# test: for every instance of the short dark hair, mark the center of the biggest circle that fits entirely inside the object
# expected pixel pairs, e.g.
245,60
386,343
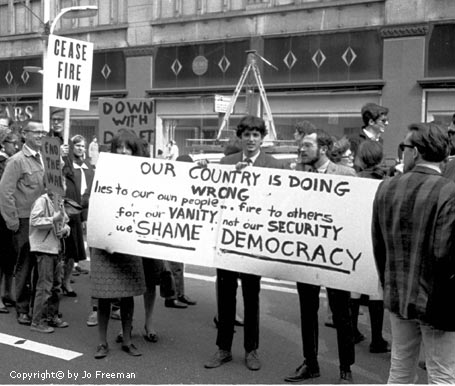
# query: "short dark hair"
322,138
431,140
184,158
372,111
56,111
304,126
339,147
251,122
370,153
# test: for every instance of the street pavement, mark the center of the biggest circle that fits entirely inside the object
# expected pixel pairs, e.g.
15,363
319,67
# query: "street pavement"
186,341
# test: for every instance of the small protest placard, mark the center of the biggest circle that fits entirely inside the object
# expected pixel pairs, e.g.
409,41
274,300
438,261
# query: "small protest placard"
137,114
52,165
292,225
68,73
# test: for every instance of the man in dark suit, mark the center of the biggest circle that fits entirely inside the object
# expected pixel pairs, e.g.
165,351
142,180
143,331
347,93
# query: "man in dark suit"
375,121
251,131
313,149
414,247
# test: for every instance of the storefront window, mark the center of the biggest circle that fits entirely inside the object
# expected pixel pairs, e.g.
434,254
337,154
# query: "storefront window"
441,51
332,57
199,65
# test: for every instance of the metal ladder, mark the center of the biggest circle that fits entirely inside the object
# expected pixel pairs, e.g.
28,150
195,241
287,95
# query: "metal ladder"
251,66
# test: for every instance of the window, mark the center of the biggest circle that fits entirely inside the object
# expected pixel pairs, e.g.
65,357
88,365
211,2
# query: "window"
19,17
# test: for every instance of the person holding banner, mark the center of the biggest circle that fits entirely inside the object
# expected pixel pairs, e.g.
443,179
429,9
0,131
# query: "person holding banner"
251,130
314,148
21,184
116,275
413,229
56,128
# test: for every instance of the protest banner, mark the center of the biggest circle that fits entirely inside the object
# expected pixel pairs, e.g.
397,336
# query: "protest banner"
282,224
136,114
53,177
68,73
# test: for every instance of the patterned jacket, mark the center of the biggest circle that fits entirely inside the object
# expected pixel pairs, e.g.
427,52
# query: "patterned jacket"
413,232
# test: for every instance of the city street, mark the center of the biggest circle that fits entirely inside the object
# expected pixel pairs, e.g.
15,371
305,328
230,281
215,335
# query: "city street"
186,341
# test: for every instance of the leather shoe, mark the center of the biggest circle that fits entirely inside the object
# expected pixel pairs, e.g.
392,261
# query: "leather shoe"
101,351
24,319
8,302
358,337
186,300
174,303
303,372
70,294
346,377
4,310
252,360
131,350
57,323
219,358
379,347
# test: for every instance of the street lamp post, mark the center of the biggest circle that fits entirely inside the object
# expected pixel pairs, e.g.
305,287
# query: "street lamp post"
69,13
74,12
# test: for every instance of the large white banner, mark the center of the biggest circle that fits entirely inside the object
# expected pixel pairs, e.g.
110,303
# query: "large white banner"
68,73
281,224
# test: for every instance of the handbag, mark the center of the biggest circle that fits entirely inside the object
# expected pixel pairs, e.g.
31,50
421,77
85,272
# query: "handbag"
72,208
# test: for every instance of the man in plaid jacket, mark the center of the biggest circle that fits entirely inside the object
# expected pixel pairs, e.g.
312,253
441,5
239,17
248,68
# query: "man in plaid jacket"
413,234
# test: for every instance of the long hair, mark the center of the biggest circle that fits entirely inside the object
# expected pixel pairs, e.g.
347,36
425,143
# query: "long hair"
130,140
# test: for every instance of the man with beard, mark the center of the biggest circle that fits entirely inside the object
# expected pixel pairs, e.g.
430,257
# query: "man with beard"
314,147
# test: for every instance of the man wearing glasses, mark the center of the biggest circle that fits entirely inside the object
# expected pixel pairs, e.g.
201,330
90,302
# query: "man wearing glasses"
412,231
375,121
21,184
57,128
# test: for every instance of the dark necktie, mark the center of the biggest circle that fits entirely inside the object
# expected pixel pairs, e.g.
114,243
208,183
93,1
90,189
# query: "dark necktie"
38,158
249,161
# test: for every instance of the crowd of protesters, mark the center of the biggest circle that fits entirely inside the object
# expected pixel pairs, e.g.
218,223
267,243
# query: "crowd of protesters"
413,230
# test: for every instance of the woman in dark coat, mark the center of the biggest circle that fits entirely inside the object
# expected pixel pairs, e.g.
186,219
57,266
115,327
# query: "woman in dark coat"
369,158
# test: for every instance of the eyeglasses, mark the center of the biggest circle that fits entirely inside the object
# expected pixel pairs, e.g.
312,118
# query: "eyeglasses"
402,146
37,132
12,142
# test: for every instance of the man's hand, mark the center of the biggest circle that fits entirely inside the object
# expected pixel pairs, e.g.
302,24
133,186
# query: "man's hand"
203,163
13,227
64,150
58,216
241,165
109,250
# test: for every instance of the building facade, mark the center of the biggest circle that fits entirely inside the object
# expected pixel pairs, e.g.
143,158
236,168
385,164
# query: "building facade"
329,58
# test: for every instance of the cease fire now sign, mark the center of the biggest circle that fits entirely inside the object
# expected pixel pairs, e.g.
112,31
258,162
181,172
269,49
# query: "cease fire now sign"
68,73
